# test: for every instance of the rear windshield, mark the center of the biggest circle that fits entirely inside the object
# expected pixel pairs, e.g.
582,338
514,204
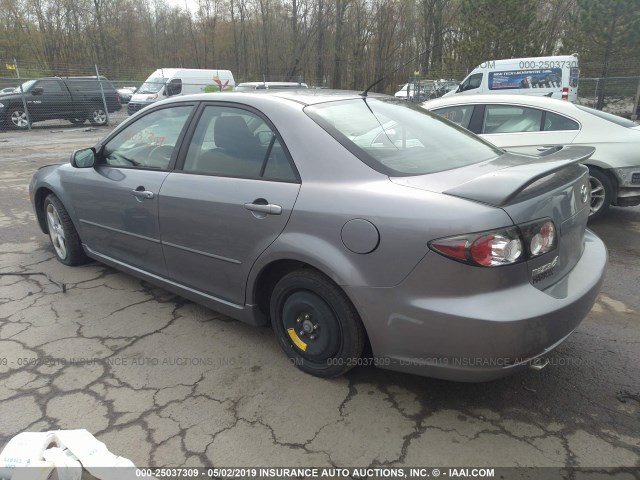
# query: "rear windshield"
399,139
623,122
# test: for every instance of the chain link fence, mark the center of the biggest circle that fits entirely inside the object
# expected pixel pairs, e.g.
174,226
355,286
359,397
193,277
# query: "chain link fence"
71,95
617,95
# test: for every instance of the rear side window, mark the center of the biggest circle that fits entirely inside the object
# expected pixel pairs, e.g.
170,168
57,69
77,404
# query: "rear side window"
511,119
399,139
233,142
460,114
89,85
554,122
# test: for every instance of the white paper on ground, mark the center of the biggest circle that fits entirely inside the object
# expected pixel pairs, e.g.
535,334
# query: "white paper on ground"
67,449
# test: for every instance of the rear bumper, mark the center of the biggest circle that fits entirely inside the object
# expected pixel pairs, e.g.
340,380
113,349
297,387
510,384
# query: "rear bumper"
435,323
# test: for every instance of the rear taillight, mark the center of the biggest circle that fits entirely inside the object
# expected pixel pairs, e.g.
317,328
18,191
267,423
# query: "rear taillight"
117,97
500,247
565,93
540,237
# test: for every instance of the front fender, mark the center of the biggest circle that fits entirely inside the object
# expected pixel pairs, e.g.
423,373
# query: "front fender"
49,179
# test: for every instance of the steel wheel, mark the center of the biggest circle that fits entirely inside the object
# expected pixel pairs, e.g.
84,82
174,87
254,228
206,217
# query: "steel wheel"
312,325
56,232
19,118
316,324
601,192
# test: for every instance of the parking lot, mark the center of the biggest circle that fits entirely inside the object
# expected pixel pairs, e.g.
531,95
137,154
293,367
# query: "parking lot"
166,382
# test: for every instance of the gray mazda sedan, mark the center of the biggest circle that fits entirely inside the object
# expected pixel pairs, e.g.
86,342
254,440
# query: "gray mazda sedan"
349,223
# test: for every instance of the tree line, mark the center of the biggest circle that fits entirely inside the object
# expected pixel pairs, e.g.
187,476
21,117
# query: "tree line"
334,43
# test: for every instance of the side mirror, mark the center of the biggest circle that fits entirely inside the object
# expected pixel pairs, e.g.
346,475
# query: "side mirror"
84,158
37,91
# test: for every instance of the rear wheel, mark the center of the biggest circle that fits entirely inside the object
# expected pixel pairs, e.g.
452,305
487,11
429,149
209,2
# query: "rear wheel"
601,193
62,233
98,116
18,118
317,326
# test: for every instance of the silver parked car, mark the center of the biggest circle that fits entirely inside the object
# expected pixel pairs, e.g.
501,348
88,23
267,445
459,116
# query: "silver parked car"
527,124
343,221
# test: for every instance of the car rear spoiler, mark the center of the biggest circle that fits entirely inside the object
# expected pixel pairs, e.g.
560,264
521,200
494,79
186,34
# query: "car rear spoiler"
500,187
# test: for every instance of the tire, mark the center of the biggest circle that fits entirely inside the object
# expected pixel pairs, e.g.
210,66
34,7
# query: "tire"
77,121
18,118
601,193
316,325
62,233
97,115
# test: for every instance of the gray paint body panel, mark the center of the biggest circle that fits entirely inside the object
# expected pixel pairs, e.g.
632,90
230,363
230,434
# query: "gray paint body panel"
413,302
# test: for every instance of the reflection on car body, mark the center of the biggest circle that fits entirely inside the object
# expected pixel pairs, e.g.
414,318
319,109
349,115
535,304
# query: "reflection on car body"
530,125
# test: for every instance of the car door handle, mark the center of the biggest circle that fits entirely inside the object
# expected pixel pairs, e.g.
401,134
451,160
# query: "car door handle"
144,194
547,147
268,209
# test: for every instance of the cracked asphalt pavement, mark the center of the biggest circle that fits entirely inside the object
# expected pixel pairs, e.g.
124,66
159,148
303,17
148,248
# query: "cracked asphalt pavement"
166,382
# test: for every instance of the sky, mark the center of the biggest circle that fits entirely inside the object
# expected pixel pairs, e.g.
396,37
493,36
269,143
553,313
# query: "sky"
191,4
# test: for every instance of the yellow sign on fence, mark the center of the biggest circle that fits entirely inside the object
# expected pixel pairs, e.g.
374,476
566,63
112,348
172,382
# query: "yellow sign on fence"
10,66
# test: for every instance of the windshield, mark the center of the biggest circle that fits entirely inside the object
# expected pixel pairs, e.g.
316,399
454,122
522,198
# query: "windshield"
623,122
398,139
153,85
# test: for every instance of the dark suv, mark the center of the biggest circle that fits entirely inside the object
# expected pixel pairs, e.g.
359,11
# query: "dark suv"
75,99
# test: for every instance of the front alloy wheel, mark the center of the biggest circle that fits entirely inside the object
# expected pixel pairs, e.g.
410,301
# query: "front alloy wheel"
19,118
64,237
56,232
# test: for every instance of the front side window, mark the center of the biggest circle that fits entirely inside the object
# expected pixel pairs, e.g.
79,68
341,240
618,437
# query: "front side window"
473,82
50,87
399,139
460,114
148,142
233,142
511,119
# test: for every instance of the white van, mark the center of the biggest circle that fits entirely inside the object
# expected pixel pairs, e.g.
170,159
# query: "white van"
168,82
555,77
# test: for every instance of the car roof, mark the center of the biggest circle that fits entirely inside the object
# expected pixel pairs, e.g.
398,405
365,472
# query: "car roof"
531,100
301,96
269,84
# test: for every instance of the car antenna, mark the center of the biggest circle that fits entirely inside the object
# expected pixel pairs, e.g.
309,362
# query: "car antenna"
366,90
364,93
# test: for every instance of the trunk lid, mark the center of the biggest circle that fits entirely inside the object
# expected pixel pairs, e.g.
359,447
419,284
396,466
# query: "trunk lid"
552,185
